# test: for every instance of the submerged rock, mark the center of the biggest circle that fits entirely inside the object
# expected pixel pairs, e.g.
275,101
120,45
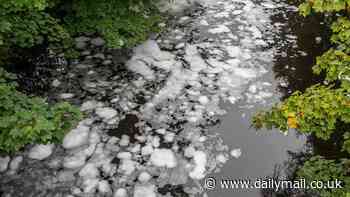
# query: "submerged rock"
56,83
99,56
98,41
107,62
66,96
82,39
80,45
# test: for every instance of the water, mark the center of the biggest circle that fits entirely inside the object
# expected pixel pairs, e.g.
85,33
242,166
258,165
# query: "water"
192,92
262,151
298,55
265,151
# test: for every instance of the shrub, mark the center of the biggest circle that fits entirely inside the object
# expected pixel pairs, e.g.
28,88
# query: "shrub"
322,6
335,64
34,22
25,120
315,111
122,23
341,34
27,23
320,169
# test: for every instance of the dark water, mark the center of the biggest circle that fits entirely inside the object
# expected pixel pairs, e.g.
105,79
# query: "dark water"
265,151
262,152
295,66
32,68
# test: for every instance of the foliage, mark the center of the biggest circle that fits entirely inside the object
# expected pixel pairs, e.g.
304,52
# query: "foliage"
6,77
341,34
9,6
122,23
319,108
34,22
315,111
320,169
321,6
26,24
336,66
346,145
25,120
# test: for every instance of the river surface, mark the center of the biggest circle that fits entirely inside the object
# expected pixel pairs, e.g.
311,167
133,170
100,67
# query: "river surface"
265,153
179,110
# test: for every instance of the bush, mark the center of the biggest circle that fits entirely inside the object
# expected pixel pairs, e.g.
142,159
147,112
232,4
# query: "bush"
341,34
122,23
335,64
25,120
28,23
34,22
319,169
323,6
315,111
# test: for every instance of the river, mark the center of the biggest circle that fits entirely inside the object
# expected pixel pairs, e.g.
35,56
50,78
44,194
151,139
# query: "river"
178,111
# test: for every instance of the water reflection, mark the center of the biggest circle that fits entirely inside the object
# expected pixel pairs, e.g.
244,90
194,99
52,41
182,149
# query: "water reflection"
300,41
269,154
294,66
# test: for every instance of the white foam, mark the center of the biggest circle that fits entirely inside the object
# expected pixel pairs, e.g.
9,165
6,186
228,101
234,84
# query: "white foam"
200,161
163,158
77,137
145,191
236,153
41,151
219,29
